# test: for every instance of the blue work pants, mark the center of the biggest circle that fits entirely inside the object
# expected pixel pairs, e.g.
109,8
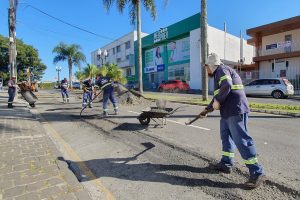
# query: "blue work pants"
87,98
109,95
234,133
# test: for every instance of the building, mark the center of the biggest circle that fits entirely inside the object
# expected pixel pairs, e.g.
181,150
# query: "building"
120,52
173,52
278,50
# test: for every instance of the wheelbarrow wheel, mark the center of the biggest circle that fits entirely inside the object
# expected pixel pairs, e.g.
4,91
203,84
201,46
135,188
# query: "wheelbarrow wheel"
144,120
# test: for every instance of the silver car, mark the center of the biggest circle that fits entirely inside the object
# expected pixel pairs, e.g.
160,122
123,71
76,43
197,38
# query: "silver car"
276,87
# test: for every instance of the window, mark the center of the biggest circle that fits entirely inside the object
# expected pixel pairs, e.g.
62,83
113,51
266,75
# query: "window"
288,43
127,57
128,72
127,45
118,59
272,67
114,51
118,49
179,72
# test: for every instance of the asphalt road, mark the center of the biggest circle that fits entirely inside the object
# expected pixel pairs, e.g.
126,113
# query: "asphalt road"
294,100
117,158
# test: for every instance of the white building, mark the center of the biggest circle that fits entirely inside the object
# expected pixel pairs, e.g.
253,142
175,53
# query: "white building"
120,52
178,48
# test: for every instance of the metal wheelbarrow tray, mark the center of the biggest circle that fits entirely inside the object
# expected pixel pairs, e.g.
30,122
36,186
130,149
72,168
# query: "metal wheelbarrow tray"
155,113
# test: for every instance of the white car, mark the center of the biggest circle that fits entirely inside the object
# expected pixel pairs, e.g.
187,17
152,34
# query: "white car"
276,87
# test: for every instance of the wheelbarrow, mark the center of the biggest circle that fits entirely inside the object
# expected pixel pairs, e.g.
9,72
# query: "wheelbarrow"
27,94
156,113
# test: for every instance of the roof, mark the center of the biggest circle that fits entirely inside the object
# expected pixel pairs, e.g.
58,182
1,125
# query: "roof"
276,27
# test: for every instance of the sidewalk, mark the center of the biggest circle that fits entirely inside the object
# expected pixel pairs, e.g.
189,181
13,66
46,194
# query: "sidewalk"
29,164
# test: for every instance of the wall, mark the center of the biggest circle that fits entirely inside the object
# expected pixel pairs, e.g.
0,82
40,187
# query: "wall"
215,39
120,57
278,38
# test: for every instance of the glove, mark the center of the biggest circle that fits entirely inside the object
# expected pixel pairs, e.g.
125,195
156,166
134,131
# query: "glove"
203,114
216,105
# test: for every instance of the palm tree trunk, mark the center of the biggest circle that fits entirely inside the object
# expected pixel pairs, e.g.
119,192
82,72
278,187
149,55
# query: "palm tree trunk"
139,43
203,25
70,72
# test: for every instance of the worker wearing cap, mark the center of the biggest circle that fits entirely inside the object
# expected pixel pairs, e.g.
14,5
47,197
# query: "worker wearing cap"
106,84
230,99
87,93
12,88
64,90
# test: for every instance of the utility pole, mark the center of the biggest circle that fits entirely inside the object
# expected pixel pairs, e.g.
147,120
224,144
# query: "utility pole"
12,37
203,25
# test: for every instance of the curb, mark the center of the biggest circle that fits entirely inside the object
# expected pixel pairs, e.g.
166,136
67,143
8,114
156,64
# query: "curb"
252,110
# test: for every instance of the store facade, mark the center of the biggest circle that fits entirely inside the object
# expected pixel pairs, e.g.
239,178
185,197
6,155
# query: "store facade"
173,53
166,53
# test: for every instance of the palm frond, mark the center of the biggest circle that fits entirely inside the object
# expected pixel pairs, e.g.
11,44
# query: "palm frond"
150,5
59,58
132,13
107,4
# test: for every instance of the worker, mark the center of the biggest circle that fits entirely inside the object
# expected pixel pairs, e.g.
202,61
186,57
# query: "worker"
64,90
230,99
12,88
106,84
87,93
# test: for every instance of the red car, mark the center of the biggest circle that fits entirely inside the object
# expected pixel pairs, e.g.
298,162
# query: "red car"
174,86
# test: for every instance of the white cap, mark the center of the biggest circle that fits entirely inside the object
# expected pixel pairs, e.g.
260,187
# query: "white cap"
213,61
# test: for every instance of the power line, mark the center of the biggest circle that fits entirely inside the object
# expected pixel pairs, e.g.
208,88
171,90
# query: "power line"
69,24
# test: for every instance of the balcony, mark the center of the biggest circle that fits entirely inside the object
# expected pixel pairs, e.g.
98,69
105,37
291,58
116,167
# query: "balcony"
277,51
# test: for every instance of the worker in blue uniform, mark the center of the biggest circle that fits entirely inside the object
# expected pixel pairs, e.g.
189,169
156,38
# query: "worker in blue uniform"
64,90
12,88
87,93
106,84
230,99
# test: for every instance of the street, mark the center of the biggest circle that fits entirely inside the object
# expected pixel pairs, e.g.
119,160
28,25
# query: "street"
117,158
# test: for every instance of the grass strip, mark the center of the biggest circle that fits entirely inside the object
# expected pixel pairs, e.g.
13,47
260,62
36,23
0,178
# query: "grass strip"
253,105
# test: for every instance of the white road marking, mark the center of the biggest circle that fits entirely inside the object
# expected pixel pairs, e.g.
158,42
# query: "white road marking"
176,122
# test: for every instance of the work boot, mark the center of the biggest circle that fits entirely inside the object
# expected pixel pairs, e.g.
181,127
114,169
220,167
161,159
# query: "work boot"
68,100
64,100
116,112
90,105
105,114
254,182
9,105
221,167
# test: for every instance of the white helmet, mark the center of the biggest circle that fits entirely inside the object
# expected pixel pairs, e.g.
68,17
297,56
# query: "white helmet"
213,61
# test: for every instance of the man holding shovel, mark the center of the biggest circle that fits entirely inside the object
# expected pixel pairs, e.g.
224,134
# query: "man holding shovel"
106,84
230,99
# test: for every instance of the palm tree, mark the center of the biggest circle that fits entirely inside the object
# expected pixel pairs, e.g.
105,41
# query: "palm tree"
135,15
72,53
90,71
113,71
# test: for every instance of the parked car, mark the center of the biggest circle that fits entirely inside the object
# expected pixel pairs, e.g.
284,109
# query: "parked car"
76,85
276,87
132,85
174,86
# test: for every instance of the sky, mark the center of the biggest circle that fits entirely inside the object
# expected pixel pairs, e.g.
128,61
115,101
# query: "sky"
44,33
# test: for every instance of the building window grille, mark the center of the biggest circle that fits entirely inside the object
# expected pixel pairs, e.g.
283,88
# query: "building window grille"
127,45
118,49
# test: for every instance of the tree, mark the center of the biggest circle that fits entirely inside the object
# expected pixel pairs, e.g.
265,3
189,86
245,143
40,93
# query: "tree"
90,71
135,15
112,71
72,53
27,57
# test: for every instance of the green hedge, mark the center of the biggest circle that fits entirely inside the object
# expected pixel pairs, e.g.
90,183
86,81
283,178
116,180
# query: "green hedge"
47,85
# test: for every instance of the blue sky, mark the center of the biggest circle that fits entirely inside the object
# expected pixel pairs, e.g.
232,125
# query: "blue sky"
44,33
